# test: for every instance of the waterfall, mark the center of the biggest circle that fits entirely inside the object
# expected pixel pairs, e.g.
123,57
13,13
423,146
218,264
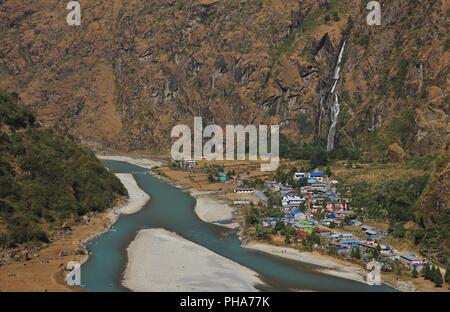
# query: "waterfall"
335,108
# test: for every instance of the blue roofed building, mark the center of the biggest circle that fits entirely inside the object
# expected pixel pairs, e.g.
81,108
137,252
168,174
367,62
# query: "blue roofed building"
332,197
318,175
349,242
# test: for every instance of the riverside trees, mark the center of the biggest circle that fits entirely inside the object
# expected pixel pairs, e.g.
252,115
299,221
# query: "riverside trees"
434,274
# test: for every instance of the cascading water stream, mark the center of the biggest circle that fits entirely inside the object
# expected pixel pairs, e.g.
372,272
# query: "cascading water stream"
335,108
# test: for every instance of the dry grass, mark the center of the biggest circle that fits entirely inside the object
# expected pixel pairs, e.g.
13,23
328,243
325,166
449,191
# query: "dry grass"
45,272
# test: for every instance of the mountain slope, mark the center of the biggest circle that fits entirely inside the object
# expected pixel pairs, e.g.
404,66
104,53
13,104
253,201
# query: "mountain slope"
134,69
45,178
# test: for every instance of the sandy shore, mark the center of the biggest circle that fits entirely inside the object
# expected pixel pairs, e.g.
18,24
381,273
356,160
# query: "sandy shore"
45,271
136,201
163,261
213,210
330,266
141,162
341,268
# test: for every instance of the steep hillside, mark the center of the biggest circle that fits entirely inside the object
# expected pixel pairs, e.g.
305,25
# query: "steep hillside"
134,69
433,211
45,178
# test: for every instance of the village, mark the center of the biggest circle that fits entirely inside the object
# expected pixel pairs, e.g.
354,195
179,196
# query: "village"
306,209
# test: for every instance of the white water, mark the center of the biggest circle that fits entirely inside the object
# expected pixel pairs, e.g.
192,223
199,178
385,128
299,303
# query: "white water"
335,108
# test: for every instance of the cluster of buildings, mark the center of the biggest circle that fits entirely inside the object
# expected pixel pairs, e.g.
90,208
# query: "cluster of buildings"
345,243
315,207
185,164
318,193
305,206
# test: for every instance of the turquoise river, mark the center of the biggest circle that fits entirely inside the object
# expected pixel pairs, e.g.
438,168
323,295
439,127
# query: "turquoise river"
173,209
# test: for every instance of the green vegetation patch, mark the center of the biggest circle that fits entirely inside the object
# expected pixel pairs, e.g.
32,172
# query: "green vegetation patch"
45,177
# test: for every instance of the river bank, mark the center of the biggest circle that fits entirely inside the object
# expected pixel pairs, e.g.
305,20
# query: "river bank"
173,209
329,265
178,259
159,260
44,270
210,208
137,161
137,198
197,184
213,207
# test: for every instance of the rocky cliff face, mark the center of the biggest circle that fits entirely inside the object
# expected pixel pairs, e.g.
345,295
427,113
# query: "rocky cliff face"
134,69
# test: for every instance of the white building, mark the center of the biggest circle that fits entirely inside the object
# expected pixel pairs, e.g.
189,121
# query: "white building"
244,190
299,175
291,200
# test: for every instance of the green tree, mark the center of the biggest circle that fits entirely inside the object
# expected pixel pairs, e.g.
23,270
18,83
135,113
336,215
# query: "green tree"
432,272
328,171
287,238
376,252
356,253
260,232
279,226
251,216
279,176
437,278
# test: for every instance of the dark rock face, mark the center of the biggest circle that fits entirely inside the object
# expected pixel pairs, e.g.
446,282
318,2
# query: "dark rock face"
132,71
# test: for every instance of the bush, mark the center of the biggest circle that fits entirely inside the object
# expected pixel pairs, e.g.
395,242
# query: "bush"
14,115
398,82
21,230
363,40
356,253
336,17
